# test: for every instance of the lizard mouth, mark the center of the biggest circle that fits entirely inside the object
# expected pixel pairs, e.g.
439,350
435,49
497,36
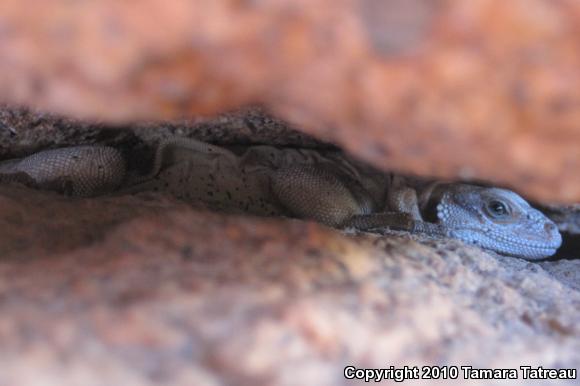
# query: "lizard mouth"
505,245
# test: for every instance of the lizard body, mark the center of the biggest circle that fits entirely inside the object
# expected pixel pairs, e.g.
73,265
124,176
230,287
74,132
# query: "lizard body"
329,187
252,179
78,170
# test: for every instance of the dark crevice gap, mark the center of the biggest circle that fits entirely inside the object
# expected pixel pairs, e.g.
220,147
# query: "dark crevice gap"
570,249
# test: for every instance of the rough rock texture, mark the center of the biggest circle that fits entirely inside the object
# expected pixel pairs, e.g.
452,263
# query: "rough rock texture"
24,131
567,271
567,215
482,88
146,291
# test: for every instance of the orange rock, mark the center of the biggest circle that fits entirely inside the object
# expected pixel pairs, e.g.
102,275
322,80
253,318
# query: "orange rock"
487,89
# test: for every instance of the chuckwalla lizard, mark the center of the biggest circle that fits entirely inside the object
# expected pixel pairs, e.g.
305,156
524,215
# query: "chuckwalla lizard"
322,185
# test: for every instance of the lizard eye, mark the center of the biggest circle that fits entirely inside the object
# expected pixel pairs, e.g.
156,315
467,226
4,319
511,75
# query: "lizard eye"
497,209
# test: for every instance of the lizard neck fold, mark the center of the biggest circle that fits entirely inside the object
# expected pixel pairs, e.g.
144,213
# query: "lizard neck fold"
429,197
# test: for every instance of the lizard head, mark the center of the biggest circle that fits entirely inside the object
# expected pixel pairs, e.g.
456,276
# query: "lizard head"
496,219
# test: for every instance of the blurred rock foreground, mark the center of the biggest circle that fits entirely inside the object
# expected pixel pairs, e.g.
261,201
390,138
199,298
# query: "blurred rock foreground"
144,290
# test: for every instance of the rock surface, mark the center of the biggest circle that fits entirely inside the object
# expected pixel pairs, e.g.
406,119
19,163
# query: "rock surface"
24,131
480,89
143,291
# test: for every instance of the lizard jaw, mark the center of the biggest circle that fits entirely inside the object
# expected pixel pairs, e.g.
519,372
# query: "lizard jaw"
508,246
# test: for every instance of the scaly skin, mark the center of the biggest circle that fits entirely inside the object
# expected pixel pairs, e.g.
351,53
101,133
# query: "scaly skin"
78,170
325,186
496,219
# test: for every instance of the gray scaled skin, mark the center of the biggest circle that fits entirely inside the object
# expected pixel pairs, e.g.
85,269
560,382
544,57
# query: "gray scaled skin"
78,171
325,186
496,219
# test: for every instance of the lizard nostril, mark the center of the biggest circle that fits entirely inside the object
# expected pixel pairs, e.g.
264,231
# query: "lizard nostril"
550,227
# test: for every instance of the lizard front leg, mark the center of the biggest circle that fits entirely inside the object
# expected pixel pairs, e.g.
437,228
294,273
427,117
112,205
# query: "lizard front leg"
395,221
323,194
403,199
